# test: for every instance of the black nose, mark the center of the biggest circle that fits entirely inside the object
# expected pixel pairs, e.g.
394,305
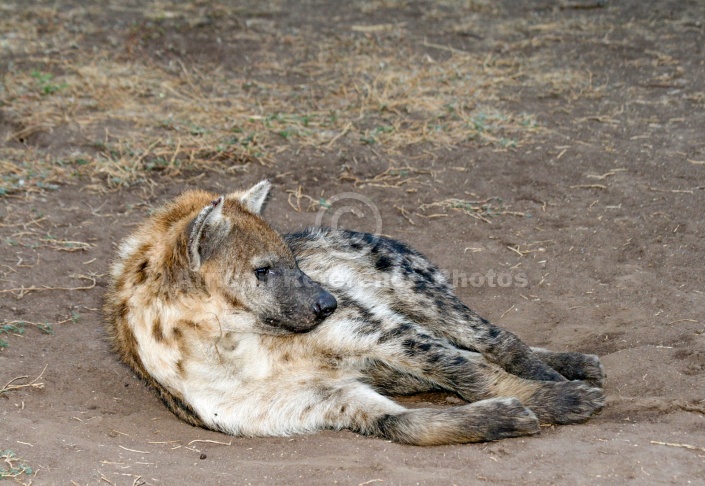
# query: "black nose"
325,305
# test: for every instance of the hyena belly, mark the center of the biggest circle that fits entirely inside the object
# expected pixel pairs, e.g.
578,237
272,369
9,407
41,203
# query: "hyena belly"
425,338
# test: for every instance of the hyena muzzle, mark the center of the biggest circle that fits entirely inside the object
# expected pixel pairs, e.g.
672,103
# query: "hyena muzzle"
241,330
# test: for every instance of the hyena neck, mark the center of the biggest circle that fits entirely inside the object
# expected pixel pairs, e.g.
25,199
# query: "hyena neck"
179,279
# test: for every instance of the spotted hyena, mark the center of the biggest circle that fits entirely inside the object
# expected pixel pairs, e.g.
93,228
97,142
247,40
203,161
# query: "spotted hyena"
241,330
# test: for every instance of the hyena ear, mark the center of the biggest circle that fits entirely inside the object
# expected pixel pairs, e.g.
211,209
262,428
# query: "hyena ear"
254,198
205,233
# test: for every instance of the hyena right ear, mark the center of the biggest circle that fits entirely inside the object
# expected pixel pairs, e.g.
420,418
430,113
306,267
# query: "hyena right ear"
205,232
254,198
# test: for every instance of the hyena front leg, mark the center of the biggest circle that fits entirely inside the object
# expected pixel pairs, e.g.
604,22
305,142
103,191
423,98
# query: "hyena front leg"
431,360
439,311
424,295
355,406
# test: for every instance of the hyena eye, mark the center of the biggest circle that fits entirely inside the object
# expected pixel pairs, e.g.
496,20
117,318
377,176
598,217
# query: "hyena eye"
261,273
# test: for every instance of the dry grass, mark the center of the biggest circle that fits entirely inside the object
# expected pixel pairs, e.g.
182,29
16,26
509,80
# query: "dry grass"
483,210
82,98
125,116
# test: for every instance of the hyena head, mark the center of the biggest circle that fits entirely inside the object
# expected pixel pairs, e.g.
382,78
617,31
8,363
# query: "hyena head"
241,257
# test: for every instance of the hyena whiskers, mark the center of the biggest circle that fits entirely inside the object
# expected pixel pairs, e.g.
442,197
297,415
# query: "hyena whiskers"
227,321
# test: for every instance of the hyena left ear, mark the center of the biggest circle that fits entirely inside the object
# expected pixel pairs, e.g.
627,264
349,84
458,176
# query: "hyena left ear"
254,198
205,232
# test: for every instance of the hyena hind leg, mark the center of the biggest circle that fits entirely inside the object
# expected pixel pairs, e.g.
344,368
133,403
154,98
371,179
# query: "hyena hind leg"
487,420
574,366
369,413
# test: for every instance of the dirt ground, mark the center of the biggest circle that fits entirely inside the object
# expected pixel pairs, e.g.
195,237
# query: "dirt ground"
556,144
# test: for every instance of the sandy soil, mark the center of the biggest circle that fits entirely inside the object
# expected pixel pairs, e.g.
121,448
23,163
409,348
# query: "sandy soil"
601,212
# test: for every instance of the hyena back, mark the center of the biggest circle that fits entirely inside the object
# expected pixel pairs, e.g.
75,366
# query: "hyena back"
241,330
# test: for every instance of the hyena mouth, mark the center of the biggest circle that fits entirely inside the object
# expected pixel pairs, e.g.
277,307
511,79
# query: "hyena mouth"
308,317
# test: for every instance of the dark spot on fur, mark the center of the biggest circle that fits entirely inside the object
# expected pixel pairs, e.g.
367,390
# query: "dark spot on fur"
459,361
398,247
383,264
409,344
420,286
191,324
235,303
307,409
157,331
178,335
425,347
459,306
368,238
122,311
394,333
141,274
493,331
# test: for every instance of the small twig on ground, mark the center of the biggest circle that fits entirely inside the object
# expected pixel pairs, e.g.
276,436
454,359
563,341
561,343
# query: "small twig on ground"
296,196
133,450
605,175
25,290
673,444
32,384
405,214
656,189
66,245
210,442
589,186
505,312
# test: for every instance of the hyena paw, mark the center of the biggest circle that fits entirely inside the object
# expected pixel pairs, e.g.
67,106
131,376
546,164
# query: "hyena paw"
567,402
576,366
591,371
507,417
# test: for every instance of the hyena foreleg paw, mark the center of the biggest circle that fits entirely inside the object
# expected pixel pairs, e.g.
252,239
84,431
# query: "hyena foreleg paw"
575,366
486,420
566,402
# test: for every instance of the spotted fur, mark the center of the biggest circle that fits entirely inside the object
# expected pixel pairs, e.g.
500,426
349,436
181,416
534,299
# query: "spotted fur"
236,329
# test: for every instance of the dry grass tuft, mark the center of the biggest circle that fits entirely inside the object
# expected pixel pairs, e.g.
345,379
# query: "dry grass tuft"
483,210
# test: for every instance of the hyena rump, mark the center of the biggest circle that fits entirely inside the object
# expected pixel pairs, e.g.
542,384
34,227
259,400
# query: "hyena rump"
227,321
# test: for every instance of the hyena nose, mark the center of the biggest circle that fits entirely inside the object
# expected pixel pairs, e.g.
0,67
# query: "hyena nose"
325,305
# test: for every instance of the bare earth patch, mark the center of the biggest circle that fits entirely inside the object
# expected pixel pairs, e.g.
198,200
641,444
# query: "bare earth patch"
558,145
